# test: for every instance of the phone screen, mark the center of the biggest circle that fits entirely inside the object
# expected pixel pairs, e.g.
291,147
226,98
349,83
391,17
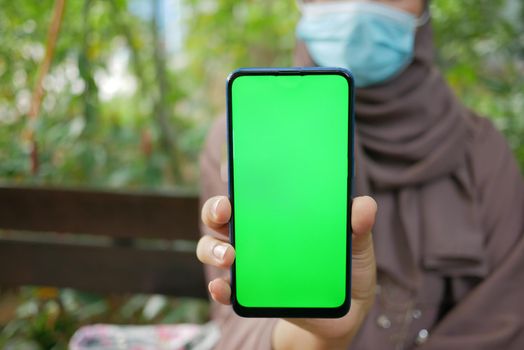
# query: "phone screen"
290,166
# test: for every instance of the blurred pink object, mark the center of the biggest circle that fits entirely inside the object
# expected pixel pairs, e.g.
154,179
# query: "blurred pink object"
159,337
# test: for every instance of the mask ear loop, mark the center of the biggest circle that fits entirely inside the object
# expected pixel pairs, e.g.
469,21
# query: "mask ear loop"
424,18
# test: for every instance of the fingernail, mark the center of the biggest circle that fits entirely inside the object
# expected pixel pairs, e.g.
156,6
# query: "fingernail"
219,251
214,208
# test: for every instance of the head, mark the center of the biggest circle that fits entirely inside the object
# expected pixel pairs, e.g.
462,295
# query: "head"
375,39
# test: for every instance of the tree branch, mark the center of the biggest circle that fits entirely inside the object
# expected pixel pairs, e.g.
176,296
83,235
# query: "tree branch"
38,92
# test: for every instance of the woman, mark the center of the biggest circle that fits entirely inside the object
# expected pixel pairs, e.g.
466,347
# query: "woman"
448,236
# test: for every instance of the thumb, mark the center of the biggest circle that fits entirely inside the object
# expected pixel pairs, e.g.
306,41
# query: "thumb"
363,214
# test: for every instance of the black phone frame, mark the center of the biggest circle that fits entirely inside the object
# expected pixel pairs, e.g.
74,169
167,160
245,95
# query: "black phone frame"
293,312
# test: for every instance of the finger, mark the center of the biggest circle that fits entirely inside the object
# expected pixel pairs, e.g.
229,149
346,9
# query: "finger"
215,252
216,213
220,291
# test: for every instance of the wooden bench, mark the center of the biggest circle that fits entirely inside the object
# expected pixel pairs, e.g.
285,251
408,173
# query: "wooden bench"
137,243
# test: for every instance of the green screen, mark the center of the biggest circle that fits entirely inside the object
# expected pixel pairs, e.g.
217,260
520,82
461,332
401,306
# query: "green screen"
290,169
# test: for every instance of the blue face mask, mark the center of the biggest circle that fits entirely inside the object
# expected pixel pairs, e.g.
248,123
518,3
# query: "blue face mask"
374,41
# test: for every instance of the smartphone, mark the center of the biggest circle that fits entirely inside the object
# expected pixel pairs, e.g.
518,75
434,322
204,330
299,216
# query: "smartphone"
290,162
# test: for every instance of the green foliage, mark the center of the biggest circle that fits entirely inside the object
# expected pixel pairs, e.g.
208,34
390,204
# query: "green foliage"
481,51
83,140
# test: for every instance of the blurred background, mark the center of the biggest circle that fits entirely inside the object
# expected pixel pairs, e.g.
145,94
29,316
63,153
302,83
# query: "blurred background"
132,87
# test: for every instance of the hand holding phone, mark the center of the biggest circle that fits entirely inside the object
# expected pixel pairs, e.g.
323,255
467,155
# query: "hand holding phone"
289,215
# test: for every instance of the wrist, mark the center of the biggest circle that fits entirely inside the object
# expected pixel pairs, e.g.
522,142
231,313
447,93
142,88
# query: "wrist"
321,343
319,334
288,336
